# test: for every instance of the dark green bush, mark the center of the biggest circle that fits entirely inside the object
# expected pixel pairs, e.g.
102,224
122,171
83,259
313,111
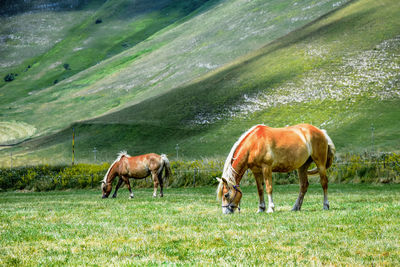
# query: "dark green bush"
66,66
10,77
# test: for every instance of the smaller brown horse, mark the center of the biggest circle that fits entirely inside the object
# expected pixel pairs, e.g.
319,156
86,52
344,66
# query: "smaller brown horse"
265,150
138,167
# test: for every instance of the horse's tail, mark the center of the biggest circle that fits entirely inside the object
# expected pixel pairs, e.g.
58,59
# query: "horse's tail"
166,166
330,154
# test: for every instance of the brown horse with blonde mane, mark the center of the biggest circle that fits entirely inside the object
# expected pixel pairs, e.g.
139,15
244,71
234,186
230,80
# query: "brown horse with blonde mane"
264,150
138,167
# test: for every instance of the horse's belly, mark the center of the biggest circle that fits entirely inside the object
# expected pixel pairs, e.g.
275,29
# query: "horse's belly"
288,164
139,174
283,168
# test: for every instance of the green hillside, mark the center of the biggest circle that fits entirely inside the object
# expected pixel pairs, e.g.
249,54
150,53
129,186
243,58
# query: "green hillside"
202,75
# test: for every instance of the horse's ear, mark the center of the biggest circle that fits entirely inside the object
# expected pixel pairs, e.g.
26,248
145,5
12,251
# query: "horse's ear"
218,179
224,180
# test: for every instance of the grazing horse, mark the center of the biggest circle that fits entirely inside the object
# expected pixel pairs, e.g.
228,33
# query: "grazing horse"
138,167
264,150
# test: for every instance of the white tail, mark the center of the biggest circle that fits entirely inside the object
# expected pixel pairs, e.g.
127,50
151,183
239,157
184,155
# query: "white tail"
166,165
330,143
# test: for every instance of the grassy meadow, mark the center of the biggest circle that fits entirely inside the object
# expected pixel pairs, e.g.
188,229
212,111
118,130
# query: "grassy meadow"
77,227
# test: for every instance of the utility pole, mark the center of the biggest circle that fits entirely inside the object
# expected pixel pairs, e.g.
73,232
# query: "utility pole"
73,146
94,152
177,151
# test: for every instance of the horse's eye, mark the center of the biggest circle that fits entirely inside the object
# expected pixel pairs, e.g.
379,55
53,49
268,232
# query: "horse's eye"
226,195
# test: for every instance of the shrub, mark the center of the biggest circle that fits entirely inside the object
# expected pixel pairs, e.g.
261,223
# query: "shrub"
81,176
10,77
66,66
44,183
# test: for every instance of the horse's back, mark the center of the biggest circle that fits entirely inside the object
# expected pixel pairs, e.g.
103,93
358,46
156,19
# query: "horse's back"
154,161
287,148
140,166
287,137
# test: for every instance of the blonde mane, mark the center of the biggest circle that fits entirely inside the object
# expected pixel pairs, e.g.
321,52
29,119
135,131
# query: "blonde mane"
120,154
228,172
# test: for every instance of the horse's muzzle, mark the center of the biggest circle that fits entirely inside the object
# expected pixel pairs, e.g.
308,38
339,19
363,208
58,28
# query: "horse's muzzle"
104,196
227,210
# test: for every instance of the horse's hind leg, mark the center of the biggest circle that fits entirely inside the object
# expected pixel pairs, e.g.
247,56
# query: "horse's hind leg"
160,180
302,171
117,187
155,182
320,161
324,184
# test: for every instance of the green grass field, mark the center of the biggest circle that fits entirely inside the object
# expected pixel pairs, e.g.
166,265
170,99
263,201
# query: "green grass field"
187,227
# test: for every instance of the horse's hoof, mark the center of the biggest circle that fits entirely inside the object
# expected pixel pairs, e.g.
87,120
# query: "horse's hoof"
161,195
130,197
295,208
114,196
270,210
326,207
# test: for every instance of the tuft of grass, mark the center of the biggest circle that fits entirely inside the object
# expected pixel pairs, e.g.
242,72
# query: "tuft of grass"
186,227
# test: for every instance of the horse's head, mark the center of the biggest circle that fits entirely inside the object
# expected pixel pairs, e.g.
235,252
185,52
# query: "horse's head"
230,194
106,189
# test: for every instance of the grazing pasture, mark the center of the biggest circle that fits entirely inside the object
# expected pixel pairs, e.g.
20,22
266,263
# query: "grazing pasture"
77,227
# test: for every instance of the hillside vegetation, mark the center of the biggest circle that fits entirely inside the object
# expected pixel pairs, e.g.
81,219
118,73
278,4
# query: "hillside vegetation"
199,74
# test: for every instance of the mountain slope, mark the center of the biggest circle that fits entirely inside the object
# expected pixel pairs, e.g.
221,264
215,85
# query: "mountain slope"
339,72
167,46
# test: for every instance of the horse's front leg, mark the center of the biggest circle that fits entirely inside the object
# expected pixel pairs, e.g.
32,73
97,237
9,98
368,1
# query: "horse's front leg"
117,187
126,179
267,173
155,182
260,189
